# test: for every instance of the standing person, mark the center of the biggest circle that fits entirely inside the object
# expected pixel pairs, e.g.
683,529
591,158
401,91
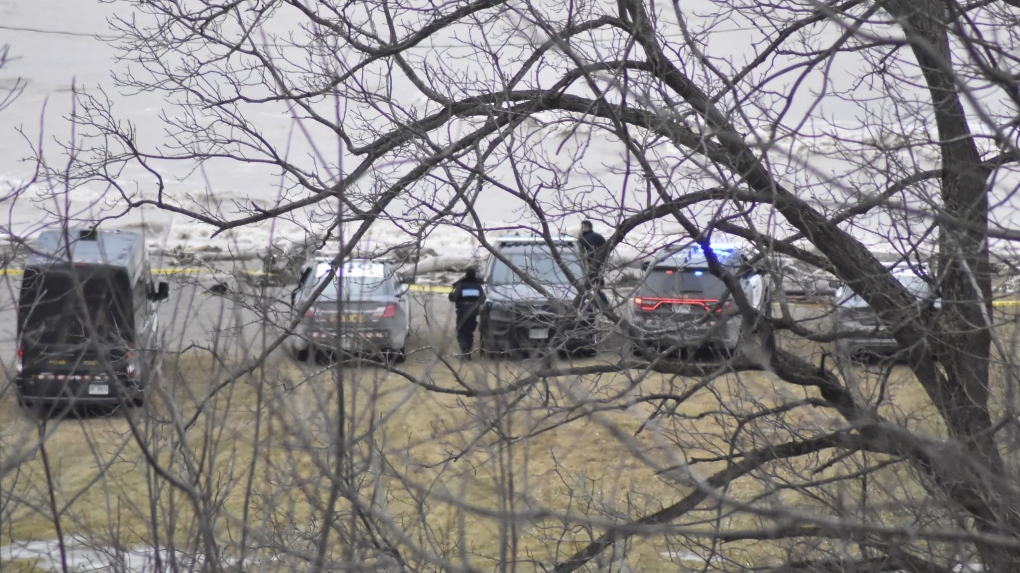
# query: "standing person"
468,295
589,243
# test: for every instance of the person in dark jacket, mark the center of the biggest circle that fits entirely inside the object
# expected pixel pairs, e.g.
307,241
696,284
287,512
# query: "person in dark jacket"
468,295
589,243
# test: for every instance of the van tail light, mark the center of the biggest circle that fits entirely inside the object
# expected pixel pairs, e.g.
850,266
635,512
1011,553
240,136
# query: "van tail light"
19,362
310,313
132,362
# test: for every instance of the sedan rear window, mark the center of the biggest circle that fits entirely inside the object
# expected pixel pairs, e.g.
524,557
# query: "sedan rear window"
681,283
358,287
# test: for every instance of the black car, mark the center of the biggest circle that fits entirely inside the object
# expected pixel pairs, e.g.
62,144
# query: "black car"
519,317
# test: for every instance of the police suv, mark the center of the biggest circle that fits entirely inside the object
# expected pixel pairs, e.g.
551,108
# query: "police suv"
680,304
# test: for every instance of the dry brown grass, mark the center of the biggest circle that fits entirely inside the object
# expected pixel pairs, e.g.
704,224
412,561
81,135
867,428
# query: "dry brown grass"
438,469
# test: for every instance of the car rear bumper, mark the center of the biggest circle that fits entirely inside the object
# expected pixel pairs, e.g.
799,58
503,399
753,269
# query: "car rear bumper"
534,334
874,345
71,388
692,336
367,342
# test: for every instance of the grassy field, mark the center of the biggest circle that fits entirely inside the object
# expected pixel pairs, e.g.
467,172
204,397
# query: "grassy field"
470,472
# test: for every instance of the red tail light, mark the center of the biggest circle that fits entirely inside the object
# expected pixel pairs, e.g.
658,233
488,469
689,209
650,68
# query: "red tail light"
19,363
310,313
390,312
647,304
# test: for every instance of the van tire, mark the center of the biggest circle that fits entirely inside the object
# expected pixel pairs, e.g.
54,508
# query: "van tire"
395,356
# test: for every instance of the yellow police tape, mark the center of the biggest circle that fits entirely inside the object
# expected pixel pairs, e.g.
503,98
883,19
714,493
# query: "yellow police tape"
201,271
440,289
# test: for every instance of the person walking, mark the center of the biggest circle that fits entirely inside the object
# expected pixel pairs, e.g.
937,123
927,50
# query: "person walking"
589,244
468,296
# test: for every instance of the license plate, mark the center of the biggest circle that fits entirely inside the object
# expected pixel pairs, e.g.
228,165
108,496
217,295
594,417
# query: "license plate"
346,318
538,333
682,309
99,389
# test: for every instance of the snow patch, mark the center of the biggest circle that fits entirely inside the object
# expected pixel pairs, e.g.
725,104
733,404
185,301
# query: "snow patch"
82,556
683,556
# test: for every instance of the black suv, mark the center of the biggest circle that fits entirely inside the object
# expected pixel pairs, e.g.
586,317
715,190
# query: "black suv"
518,317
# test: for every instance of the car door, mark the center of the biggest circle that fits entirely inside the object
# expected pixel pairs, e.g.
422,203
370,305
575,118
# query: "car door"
403,300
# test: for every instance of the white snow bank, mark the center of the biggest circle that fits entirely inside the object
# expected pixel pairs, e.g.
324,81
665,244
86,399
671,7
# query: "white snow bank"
82,556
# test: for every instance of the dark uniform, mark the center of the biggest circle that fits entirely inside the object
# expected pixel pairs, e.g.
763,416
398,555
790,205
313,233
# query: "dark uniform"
589,243
468,296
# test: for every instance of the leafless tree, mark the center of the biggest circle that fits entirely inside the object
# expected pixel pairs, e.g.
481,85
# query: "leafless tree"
16,87
822,133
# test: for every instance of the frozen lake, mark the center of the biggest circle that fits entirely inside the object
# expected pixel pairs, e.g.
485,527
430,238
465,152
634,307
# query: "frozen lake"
58,46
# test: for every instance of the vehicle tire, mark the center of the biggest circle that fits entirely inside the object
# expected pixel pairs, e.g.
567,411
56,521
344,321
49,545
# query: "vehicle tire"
138,401
395,356
634,350
301,355
585,351
487,346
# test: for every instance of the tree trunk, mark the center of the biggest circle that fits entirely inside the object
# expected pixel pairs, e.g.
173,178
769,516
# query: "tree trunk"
962,337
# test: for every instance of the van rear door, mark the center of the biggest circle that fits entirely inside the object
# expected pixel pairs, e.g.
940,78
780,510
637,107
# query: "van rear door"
74,317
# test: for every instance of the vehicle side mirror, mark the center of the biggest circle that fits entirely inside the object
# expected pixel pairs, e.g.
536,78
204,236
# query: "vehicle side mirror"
835,284
407,280
162,292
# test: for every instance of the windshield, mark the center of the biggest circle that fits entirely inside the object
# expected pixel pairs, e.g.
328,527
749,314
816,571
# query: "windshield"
682,283
913,283
52,311
357,287
538,264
